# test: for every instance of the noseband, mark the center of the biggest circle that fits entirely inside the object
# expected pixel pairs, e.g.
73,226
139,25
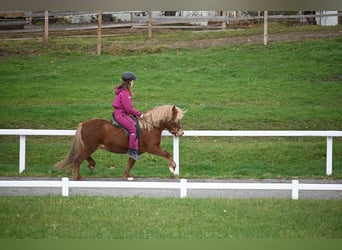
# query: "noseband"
175,125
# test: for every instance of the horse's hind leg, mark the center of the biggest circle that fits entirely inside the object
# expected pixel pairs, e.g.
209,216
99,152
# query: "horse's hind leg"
85,155
77,174
91,164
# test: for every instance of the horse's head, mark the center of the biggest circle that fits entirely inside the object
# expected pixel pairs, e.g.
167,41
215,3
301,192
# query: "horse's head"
165,117
174,125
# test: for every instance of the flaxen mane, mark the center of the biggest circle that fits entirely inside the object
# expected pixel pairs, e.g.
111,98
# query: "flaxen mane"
153,117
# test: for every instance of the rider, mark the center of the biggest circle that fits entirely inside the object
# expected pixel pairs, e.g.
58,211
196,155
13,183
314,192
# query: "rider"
124,109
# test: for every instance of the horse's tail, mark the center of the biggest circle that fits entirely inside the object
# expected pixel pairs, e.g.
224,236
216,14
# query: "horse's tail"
75,150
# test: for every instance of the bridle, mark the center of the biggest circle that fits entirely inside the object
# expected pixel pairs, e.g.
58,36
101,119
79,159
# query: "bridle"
175,125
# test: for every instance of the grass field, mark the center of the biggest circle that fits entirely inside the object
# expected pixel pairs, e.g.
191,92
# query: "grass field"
283,86
161,218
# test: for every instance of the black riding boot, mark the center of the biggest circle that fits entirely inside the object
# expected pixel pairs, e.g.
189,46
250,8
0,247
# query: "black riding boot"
133,153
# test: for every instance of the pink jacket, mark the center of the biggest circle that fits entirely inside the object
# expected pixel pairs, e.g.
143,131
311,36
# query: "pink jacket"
123,103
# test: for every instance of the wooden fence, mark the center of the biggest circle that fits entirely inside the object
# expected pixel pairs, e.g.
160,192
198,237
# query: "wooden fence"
162,22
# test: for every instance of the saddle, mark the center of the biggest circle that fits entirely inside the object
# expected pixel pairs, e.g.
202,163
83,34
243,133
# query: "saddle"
118,125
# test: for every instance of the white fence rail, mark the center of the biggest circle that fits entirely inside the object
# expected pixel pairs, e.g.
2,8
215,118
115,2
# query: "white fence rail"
183,185
22,133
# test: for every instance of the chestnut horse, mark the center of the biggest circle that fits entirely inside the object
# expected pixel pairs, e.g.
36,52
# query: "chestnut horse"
98,133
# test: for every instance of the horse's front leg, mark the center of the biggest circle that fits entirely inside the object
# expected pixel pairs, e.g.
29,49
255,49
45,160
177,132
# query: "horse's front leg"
130,164
161,152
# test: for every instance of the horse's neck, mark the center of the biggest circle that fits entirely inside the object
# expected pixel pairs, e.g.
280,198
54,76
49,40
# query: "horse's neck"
154,131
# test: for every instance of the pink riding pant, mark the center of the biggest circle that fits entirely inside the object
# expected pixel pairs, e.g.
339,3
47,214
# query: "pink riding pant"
126,121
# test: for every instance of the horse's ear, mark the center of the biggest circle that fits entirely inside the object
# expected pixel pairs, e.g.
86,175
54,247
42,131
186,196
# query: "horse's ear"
174,112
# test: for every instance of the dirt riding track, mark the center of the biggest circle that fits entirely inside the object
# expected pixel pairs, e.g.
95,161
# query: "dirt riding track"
205,43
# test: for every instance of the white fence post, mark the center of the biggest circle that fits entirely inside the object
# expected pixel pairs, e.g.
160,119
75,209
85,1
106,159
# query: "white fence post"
22,153
295,189
329,155
183,188
65,186
176,153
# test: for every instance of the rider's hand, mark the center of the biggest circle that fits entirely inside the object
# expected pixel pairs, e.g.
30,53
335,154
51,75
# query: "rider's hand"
141,116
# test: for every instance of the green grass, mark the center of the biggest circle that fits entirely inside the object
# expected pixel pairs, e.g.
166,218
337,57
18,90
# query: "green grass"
282,86
157,218
291,86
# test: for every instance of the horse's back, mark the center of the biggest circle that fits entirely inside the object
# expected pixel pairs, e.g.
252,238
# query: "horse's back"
102,133
96,122
98,125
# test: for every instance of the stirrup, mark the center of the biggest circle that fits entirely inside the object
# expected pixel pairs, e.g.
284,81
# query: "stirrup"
133,153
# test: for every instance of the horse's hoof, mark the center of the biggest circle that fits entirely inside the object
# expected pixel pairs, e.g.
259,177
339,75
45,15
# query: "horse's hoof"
172,170
130,178
91,168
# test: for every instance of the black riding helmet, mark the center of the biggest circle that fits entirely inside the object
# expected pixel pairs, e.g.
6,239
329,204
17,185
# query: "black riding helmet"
128,76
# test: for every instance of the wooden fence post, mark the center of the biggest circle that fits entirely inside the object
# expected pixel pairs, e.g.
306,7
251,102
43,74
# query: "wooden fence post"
46,26
224,23
99,33
149,24
265,27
